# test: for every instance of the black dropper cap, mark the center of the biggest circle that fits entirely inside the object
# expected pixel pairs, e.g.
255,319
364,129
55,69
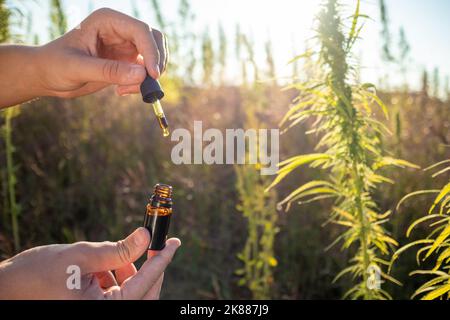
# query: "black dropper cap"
151,90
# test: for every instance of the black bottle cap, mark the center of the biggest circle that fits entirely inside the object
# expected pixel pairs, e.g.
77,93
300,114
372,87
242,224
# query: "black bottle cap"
151,90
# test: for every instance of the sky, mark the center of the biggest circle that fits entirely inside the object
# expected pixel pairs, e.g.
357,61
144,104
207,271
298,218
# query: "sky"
288,23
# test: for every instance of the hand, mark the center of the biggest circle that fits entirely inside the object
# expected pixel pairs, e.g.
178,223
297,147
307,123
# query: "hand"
42,272
107,48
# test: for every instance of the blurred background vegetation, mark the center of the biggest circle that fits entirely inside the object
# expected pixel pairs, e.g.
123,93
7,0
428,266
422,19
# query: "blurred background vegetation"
83,169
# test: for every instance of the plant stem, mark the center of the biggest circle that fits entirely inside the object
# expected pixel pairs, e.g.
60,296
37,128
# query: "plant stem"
363,234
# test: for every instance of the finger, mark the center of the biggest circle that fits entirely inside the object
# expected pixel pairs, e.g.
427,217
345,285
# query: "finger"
137,286
86,89
160,43
125,272
102,256
140,60
154,292
92,69
140,34
126,90
148,48
135,31
106,279
167,52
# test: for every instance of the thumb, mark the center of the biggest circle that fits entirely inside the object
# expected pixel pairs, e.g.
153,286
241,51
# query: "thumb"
150,272
91,69
102,256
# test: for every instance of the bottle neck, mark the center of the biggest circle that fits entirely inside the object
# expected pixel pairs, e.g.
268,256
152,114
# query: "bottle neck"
163,191
162,196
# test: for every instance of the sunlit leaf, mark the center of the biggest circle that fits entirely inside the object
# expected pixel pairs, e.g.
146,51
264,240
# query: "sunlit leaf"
388,161
439,240
437,293
413,194
419,221
352,33
444,192
306,54
310,188
437,165
406,247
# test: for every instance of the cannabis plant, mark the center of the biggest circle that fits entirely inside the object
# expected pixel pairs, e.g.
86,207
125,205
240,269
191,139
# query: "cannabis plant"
437,244
257,207
349,150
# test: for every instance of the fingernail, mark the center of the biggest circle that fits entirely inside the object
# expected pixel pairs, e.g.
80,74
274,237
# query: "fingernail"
158,72
121,93
176,242
140,236
136,72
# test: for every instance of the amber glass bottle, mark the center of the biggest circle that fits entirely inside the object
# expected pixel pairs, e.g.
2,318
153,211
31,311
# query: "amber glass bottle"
158,214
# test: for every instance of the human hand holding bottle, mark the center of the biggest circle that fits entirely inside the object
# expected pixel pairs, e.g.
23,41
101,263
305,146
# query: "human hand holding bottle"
43,272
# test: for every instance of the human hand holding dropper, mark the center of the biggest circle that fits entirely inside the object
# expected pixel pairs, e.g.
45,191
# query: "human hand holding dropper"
108,48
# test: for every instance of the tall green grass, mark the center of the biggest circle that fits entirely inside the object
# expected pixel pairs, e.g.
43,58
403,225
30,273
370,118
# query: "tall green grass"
257,207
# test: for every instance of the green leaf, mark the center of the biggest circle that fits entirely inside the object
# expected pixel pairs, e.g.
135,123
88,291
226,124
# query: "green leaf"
307,54
406,247
388,161
380,103
419,253
429,273
310,188
391,279
443,256
295,108
444,192
303,159
343,272
416,193
368,85
441,172
379,124
379,178
344,214
439,240
437,293
294,163
436,165
428,286
353,32
419,221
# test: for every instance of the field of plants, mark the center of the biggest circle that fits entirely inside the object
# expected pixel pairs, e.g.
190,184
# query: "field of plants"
360,206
